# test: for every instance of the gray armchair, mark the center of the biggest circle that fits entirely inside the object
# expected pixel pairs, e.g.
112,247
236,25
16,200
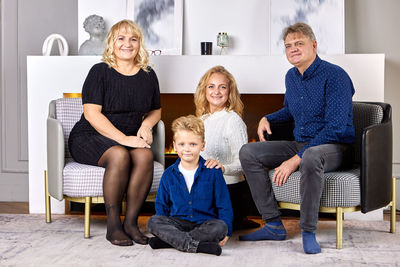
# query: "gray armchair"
67,179
368,185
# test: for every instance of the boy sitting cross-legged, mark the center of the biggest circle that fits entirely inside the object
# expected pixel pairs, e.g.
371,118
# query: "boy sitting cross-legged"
193,208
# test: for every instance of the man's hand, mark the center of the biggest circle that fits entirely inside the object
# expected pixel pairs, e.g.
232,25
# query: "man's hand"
223,241
263,126
287,167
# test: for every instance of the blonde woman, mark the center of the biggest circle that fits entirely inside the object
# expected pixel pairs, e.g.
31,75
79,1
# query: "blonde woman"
218,104
121,104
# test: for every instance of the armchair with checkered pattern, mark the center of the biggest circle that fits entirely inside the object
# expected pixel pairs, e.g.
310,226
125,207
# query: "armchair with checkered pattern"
69,180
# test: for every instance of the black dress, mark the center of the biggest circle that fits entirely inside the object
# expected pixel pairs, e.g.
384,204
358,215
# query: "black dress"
124,100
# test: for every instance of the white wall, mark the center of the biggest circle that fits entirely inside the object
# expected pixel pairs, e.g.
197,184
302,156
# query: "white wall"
245,21
115,10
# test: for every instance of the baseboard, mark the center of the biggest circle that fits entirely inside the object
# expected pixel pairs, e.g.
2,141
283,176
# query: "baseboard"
14,207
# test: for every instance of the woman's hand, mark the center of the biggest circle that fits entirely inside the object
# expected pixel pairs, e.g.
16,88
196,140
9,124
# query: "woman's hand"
211,163
223,241
134,141
146,134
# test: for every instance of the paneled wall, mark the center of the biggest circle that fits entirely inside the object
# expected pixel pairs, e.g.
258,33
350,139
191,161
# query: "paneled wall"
14,156
24,25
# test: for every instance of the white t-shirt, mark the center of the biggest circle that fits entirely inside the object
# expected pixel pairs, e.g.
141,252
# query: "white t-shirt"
188,175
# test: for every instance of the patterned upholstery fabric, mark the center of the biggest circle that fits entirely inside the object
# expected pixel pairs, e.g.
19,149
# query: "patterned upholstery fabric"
68,112
81,180
341,188
364,115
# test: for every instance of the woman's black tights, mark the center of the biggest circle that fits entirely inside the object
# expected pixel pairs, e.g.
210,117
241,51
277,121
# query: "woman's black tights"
130,172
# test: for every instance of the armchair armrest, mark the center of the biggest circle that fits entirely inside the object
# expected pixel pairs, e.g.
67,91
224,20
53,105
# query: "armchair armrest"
376,164
158,146
55,155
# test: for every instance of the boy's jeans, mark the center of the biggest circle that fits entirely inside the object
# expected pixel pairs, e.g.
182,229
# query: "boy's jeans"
185,235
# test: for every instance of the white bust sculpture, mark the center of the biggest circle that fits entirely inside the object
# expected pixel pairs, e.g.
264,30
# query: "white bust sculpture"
96,27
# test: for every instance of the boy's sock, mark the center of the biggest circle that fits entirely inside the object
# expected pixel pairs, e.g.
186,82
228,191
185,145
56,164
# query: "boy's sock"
271,231
156,243
310,244
209,248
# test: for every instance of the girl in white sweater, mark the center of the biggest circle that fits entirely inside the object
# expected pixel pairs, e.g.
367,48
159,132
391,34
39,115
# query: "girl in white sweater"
218,104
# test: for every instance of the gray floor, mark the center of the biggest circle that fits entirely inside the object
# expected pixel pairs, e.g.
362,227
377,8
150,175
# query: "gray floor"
28,240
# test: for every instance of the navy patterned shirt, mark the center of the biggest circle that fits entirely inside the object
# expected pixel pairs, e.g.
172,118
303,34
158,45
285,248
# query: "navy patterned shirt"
208,198
320,103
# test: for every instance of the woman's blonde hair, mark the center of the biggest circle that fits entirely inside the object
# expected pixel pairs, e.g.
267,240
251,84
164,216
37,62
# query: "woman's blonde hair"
234,102
188,123
142,57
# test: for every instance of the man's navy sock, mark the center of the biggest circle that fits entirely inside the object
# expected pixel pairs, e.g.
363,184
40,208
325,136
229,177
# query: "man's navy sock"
310,244
271,231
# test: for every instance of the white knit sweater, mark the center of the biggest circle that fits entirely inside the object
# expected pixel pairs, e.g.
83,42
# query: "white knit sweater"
225,133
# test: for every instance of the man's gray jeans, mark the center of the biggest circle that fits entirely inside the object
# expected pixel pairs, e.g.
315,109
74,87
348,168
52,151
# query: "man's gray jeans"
256,157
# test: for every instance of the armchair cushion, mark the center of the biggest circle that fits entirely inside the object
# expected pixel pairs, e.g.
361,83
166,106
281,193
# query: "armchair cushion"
341,188
81,180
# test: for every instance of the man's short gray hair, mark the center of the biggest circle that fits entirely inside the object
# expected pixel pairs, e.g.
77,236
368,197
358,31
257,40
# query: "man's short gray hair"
299,27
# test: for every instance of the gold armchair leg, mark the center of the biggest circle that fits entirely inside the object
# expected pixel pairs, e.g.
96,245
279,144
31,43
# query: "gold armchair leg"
339,228
393,207
47,198
88,202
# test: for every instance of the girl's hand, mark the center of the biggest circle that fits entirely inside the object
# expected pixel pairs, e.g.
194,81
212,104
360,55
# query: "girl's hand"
211,163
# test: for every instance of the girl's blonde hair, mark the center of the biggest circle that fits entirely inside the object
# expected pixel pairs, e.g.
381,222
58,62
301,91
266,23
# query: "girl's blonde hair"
188,123
234,102
142,57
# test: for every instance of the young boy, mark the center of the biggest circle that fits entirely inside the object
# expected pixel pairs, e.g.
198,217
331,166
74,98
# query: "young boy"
193,208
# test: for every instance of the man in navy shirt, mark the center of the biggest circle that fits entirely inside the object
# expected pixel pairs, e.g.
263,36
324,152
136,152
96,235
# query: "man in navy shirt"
318,99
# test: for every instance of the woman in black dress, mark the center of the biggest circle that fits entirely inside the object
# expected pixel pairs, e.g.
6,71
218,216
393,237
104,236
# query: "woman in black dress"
121,104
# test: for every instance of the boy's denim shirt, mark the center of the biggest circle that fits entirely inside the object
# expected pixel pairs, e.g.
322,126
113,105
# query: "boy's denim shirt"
208,198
